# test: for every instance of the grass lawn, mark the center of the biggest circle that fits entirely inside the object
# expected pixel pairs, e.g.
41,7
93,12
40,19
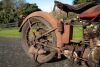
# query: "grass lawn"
12,32
77,32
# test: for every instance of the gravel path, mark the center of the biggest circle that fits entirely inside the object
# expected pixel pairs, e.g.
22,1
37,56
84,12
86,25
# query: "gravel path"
12,55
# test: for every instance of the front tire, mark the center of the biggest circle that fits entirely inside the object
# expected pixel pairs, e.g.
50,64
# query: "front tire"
26,37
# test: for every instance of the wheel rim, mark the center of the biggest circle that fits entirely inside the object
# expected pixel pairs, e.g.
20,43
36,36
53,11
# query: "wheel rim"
39,27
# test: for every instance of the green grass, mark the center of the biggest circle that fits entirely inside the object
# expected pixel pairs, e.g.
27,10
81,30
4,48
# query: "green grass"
12,32
77,32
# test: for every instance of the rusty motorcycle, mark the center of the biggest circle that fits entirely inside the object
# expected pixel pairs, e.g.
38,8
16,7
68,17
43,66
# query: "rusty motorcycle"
44,36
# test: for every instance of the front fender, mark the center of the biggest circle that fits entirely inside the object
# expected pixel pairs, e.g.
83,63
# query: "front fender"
48,17
42,14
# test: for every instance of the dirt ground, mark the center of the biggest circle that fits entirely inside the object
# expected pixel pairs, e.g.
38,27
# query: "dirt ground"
12,55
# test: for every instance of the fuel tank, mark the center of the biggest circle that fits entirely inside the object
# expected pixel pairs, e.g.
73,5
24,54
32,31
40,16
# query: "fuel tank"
90,13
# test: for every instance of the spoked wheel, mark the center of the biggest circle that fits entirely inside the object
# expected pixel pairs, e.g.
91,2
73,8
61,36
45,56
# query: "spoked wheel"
39,34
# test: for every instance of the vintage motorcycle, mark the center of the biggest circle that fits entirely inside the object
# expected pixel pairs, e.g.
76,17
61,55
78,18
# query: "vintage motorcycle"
44,36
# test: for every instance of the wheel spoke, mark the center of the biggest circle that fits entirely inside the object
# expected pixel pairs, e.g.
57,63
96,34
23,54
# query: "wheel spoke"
40,34
47,33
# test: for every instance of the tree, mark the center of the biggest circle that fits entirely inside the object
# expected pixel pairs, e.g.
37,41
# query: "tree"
59,14
27,8
8,4
80,1
20,2
10,10
1,5
7,10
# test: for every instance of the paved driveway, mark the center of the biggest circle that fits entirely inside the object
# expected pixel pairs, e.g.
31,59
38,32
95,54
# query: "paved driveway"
12,55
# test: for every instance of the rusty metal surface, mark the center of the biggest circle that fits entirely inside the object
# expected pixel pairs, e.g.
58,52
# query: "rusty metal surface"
76,9
91,13
53,21
66,34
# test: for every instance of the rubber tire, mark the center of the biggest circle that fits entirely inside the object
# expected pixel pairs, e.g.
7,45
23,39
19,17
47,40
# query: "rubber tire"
26,47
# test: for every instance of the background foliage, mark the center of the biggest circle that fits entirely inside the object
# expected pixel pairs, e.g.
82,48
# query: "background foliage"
12,10
80,1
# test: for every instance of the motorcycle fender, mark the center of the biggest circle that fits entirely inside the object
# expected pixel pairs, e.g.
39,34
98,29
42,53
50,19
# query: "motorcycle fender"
52,20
